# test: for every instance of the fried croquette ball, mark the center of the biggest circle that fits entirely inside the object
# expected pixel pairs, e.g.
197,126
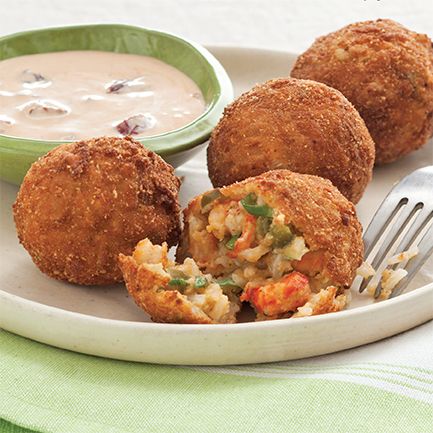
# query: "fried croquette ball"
299,125
174,293
386,71
83,203
290,242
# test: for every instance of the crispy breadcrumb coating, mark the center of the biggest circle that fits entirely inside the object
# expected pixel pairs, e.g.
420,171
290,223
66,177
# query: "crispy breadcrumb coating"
83,203
324,217
386,71
299,125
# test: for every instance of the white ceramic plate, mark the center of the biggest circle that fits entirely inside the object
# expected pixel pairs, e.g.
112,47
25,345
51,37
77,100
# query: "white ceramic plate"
106,322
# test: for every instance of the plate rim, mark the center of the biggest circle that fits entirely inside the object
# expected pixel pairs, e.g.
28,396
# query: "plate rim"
222,327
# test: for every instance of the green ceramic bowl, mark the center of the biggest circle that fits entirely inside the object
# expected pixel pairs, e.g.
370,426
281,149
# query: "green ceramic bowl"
176,147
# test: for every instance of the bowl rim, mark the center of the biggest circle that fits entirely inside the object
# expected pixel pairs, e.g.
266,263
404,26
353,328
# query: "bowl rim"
221,98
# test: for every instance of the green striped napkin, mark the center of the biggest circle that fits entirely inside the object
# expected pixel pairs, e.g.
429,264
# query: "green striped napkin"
383,387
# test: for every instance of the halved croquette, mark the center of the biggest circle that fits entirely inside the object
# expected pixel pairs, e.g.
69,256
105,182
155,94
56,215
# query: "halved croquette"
177,293
281,237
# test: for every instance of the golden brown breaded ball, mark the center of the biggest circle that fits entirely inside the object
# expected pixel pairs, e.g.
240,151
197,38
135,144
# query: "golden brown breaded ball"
311,205
83,203
386,71
301,125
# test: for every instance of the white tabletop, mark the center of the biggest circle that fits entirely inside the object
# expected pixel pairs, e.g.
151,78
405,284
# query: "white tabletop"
288,25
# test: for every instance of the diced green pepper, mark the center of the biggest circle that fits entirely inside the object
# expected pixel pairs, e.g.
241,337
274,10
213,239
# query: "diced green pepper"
263,224
258,210
230,244
282,235
226,282
249,199
208,198
229,284
178,282
200,282
249,203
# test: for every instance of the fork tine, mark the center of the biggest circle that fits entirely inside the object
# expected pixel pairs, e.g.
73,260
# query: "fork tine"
425,250
394,217
386,212
397,226
415,184
421,220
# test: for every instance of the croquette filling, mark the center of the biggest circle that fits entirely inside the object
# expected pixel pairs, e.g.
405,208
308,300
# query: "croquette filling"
201,290
252,248
244,251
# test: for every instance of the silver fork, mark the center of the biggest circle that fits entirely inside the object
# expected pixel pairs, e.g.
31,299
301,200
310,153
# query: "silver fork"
414,196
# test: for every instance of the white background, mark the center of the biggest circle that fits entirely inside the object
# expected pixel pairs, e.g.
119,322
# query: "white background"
288,25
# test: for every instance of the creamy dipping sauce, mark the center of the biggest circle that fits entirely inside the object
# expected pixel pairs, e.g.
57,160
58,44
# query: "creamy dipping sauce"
73,95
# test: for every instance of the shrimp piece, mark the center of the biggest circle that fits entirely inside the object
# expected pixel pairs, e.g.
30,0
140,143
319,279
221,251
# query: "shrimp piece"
246,239
217,217
311,263
235,219
275,299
